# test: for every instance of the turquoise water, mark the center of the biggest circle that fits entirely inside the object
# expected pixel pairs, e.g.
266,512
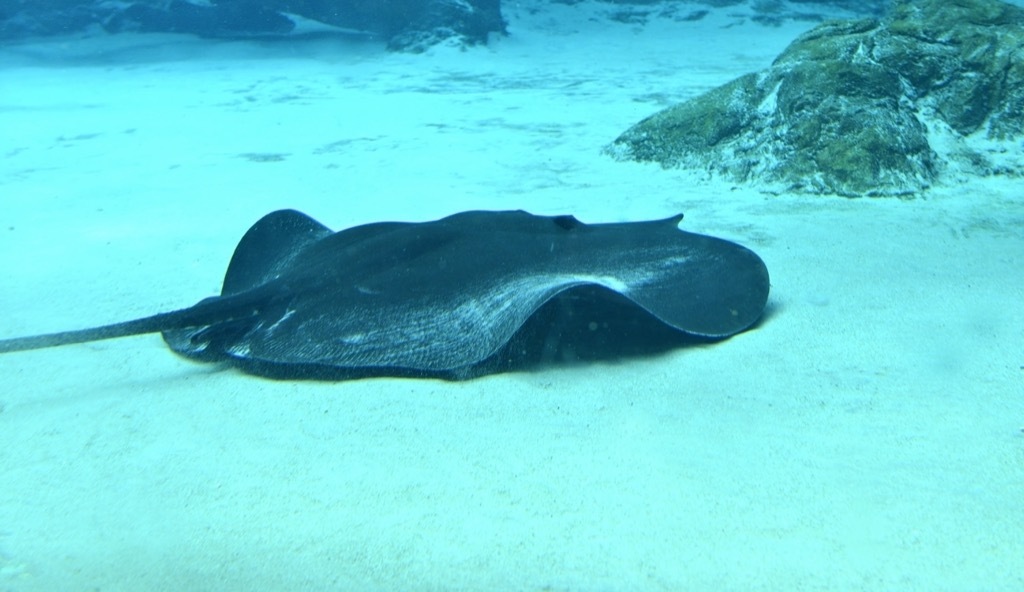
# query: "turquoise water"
866,435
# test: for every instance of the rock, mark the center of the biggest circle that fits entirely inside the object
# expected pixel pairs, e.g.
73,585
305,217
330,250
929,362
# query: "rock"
408,25
864,107
441,20
22,18
225,19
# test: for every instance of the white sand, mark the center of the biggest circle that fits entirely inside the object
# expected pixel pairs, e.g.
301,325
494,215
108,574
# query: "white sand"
866,436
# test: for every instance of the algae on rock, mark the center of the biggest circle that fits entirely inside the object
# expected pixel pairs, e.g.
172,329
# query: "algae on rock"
865,107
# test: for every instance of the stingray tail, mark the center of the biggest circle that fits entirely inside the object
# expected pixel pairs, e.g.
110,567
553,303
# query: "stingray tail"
214,310
124,329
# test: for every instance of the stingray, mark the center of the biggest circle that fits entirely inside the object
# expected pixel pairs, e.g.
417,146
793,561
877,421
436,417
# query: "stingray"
444,298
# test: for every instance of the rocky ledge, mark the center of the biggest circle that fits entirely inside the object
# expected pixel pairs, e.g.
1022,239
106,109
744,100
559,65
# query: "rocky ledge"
877,107
407,25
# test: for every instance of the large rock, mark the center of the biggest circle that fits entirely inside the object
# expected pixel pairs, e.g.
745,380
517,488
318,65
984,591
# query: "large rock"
865,107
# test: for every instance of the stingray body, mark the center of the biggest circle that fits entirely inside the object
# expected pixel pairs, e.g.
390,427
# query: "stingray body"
441,297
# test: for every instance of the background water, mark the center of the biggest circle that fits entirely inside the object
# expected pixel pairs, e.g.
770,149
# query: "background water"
866,436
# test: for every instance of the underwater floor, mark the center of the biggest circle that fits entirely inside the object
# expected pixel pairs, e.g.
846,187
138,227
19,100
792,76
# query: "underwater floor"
867,435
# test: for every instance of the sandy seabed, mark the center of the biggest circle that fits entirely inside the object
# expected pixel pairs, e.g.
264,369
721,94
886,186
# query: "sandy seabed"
867,435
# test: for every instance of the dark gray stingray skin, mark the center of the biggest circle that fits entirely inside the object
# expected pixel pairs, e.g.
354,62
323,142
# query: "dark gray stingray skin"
440,297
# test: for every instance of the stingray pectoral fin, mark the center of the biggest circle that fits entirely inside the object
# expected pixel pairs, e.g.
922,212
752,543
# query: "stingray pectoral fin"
718,290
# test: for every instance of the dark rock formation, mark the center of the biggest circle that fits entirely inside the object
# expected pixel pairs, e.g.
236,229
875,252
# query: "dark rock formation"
220,19
863,107
410,25
765,12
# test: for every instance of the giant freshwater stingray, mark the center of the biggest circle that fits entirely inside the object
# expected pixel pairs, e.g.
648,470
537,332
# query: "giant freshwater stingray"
450,298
